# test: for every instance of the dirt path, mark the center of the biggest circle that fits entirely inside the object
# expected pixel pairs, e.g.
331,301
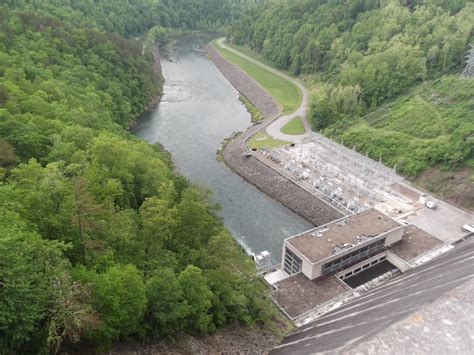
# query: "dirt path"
274,129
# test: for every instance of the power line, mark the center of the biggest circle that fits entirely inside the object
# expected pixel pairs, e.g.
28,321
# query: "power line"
448,70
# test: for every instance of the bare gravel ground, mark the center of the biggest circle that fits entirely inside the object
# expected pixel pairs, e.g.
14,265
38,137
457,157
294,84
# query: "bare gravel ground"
230,340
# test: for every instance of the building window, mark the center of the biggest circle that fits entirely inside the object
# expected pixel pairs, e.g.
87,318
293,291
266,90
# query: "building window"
292,262
354,256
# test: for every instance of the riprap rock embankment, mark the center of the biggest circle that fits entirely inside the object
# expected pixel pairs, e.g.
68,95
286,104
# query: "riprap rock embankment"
266,179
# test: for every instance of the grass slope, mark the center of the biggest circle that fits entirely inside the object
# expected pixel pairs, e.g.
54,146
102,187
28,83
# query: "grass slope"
263,140
254,55
294,127
428,134
432,126
285,93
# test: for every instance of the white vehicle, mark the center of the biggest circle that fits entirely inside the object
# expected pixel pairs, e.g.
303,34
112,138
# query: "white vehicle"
468,228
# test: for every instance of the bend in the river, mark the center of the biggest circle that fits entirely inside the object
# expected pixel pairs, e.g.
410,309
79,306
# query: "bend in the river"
199,109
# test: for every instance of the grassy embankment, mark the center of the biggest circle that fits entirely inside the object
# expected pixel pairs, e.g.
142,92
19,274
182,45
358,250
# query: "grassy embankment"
428,134
255,114
287,95
254,55
263,140
294,127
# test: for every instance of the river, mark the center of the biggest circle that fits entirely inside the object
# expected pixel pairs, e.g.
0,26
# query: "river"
199,109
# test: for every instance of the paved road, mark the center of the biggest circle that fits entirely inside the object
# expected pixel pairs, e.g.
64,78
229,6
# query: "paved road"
274,129
361,319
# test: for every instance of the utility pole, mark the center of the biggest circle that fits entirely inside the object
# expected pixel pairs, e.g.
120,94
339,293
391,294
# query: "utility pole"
468,72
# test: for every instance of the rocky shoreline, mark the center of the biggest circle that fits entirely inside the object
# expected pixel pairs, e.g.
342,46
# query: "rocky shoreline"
264,178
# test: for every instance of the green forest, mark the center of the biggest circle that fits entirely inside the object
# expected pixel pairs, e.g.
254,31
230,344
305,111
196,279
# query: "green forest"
100,240
385,75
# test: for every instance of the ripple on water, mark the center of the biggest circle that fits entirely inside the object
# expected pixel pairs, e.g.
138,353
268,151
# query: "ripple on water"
198,111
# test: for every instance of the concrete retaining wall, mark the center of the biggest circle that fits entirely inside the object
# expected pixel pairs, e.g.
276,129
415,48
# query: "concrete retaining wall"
254,171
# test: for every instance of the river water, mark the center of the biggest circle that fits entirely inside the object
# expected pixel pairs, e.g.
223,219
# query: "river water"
199,109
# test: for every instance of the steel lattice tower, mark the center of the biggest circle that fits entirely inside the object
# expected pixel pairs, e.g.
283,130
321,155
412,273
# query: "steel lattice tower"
468,72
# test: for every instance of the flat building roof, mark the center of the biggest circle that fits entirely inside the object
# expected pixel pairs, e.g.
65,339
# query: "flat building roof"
343,234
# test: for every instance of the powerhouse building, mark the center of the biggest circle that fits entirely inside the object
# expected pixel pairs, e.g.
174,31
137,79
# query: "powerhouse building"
340,244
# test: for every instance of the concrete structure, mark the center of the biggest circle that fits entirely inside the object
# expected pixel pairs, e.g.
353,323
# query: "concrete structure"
399,316
352,182
303,300
339,244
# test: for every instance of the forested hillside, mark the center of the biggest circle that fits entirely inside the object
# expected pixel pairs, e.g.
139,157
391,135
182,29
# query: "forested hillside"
135,17
100,241
384,75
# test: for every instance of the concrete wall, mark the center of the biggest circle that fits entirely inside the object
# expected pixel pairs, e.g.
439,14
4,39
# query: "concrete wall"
394,236
306,265
401,264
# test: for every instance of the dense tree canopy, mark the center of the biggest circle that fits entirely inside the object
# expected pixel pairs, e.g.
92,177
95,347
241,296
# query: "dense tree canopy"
345,39
135,17
362,54
100,240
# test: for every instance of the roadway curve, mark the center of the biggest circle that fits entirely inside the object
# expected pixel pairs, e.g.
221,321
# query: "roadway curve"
274,129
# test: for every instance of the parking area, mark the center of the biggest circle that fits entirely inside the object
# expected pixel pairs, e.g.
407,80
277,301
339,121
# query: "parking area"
444,222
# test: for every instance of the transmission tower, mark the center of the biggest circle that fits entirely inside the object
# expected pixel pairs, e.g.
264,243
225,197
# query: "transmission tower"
468,72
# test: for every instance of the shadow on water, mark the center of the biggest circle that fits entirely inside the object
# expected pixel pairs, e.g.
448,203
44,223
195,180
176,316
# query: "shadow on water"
199,109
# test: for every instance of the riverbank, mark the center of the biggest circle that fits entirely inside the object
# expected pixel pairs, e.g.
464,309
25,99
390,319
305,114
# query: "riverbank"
158,71
253,170
282,88
279,85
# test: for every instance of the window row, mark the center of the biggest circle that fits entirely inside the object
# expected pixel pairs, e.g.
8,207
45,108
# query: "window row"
353,257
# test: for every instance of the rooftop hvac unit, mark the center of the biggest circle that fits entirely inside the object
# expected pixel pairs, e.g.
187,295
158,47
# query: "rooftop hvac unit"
316,183
423,198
